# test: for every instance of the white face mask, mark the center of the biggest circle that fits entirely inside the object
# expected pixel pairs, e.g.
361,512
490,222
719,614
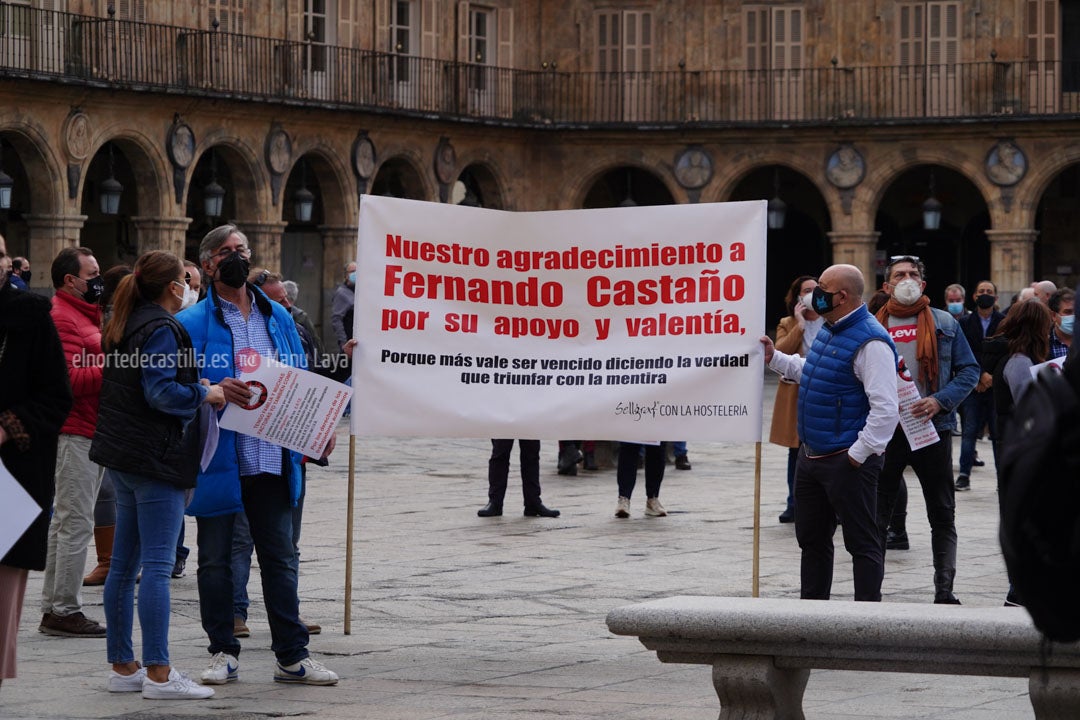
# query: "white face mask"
907,292
807,300
190,298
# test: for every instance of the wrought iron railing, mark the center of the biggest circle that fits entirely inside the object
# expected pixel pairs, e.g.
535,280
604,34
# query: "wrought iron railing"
107,52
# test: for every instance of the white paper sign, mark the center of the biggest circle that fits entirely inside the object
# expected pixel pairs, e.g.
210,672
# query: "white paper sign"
290,407
620,323
920,431
17,510
1056,362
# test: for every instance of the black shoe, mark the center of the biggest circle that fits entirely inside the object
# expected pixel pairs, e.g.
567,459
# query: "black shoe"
682,462
977,462
490,510
590,462
569,459
538,510
788,516
963,482
897,541
178,568
945,597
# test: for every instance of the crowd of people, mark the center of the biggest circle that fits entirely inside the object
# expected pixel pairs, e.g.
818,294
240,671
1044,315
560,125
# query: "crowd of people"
107,404
838,408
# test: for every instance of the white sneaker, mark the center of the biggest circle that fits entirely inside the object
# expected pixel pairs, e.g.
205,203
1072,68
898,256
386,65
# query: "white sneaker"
622,510
178,687
126,683
223,668
307,672
653,508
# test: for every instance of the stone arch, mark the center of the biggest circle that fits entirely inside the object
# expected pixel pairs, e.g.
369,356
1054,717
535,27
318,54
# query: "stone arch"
40,166
574,193
249,180
147,164
410,179
491,184
1041,174
336,185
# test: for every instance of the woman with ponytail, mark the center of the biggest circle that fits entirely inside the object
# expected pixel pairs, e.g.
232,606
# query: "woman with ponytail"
147,438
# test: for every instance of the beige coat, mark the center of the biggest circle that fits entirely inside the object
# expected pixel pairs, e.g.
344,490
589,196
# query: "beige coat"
784,429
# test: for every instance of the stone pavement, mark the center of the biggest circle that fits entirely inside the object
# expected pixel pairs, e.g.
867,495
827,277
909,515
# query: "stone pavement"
456,616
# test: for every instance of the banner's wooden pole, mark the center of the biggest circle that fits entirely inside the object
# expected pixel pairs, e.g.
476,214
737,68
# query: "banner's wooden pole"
349,535
757,516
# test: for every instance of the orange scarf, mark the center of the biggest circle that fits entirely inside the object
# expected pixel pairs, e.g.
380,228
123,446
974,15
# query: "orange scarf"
925,336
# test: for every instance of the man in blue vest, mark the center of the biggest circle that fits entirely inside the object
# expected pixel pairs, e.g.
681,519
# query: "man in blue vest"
234,324
847,412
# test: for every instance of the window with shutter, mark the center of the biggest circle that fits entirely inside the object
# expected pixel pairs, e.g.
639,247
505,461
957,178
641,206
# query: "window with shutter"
1043,54
773,82
625,48
928,81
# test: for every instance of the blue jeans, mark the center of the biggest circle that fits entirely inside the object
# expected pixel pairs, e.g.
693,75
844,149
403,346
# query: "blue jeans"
978,411
149,514
269,514
243,546
678,448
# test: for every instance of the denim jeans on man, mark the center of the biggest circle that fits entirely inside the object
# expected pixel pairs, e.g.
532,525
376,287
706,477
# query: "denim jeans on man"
149,514
270,518
978,412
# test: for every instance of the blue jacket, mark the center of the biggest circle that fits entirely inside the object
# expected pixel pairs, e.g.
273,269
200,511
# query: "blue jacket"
218,489
833,404
958,370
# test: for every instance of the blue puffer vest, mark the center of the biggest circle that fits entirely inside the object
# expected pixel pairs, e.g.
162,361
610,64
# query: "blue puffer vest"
832,403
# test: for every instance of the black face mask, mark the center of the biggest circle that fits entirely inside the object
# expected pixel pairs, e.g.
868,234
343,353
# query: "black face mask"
25,275
94,288
985,301
233,270
822,300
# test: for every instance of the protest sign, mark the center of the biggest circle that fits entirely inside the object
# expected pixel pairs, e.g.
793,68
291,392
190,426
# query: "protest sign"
17,511
624,323
290,407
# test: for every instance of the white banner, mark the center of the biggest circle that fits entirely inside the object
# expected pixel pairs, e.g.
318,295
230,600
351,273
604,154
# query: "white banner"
616,324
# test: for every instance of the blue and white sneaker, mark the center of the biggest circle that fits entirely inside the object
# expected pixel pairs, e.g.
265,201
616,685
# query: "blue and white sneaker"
223,668
306,672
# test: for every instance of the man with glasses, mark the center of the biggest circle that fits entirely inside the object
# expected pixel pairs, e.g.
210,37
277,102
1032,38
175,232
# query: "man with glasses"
933,349
236,320
847,410
978,407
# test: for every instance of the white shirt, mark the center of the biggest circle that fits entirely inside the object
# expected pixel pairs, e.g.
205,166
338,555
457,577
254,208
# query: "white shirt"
875,368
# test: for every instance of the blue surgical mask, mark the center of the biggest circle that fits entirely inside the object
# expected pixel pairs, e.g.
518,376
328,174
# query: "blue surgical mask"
352,277
955,308
1066,325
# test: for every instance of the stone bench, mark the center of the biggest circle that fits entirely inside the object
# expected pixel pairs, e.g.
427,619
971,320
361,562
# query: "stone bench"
762,650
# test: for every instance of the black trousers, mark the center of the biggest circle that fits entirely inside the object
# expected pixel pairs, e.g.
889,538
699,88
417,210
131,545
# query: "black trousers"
831,487
499,469
933,466
626,471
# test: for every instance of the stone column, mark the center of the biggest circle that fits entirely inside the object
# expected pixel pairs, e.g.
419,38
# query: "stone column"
339,248
161,233
265,242
1012,261
48,235
856,247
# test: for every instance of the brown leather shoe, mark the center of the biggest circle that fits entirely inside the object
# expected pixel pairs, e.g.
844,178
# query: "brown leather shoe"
312,628
74,625
240,628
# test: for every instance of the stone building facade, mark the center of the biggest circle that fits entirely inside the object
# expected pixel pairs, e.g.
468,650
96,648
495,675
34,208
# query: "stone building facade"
852,114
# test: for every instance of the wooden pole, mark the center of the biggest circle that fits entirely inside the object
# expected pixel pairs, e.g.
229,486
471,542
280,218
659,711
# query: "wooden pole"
349,534
757,517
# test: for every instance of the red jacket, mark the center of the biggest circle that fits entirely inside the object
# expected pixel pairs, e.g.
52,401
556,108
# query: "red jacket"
79,325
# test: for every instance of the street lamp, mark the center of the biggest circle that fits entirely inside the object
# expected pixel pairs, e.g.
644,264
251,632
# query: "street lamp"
931,209
213,194
111,189
304,198
776,210
628,201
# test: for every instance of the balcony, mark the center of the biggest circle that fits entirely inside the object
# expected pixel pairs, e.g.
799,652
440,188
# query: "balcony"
98,52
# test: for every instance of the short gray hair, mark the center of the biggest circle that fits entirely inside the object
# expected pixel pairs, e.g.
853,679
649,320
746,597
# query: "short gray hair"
955,286
292,290
216,238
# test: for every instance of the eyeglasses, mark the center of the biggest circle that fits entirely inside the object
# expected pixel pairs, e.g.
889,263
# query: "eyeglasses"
904,258
261,278
187,278
244,250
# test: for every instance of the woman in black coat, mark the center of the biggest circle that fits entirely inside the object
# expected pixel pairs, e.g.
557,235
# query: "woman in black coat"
35,398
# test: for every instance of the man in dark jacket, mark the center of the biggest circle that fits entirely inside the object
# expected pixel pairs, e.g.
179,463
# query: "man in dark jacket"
978,408
35,398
